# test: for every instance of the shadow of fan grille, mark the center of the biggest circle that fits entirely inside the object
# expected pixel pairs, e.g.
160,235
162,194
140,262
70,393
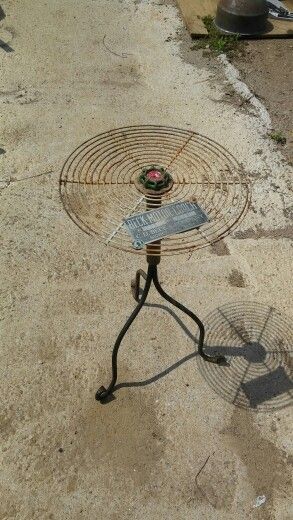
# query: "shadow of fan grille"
257,340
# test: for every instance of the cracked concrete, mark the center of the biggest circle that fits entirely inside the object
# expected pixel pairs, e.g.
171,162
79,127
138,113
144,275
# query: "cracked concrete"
174,447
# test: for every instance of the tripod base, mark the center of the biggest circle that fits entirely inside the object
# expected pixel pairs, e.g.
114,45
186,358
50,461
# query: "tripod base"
151,277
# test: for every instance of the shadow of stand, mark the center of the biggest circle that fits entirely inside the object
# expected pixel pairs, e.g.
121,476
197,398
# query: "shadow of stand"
258,343
258,375
2,14
3,44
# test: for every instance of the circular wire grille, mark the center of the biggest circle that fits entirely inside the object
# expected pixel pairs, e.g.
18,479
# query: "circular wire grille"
98,184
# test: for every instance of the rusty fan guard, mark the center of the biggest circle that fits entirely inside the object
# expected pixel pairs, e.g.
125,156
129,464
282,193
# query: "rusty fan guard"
99,184
130,170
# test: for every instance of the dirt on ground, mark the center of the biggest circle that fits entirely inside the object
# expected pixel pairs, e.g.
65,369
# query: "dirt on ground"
266,66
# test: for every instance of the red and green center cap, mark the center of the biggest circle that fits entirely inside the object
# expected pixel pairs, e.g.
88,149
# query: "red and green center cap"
155,177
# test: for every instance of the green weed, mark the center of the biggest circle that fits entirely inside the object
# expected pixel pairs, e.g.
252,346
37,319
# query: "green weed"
217,42
278,137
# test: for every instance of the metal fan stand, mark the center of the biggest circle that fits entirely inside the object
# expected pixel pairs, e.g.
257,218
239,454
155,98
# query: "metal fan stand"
153,256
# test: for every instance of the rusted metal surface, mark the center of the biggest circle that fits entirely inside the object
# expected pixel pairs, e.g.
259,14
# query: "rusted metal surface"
99,189
153,251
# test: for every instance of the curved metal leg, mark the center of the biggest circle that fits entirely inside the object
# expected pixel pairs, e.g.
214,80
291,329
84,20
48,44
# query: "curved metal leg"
135,284
103,392
212,359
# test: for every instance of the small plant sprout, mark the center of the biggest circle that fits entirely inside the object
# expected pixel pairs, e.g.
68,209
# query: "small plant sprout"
217,42
278,137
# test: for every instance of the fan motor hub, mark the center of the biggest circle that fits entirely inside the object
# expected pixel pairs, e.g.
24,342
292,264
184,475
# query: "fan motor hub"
154,178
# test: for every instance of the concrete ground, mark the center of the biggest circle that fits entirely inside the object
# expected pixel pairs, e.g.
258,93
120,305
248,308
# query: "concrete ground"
195,443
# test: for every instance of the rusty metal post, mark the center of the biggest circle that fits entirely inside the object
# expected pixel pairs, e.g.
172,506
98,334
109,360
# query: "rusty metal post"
153,250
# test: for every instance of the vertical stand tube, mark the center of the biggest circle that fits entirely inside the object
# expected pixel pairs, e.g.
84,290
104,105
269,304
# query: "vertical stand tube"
153,250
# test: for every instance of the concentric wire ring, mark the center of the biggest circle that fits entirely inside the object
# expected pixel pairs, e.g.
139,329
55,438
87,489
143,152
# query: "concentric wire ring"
98,190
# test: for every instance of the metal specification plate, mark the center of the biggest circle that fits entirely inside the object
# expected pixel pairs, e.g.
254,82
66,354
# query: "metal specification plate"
167,220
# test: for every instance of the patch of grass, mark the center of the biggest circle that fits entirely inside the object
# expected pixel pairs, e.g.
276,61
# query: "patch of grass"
278,137
216,41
